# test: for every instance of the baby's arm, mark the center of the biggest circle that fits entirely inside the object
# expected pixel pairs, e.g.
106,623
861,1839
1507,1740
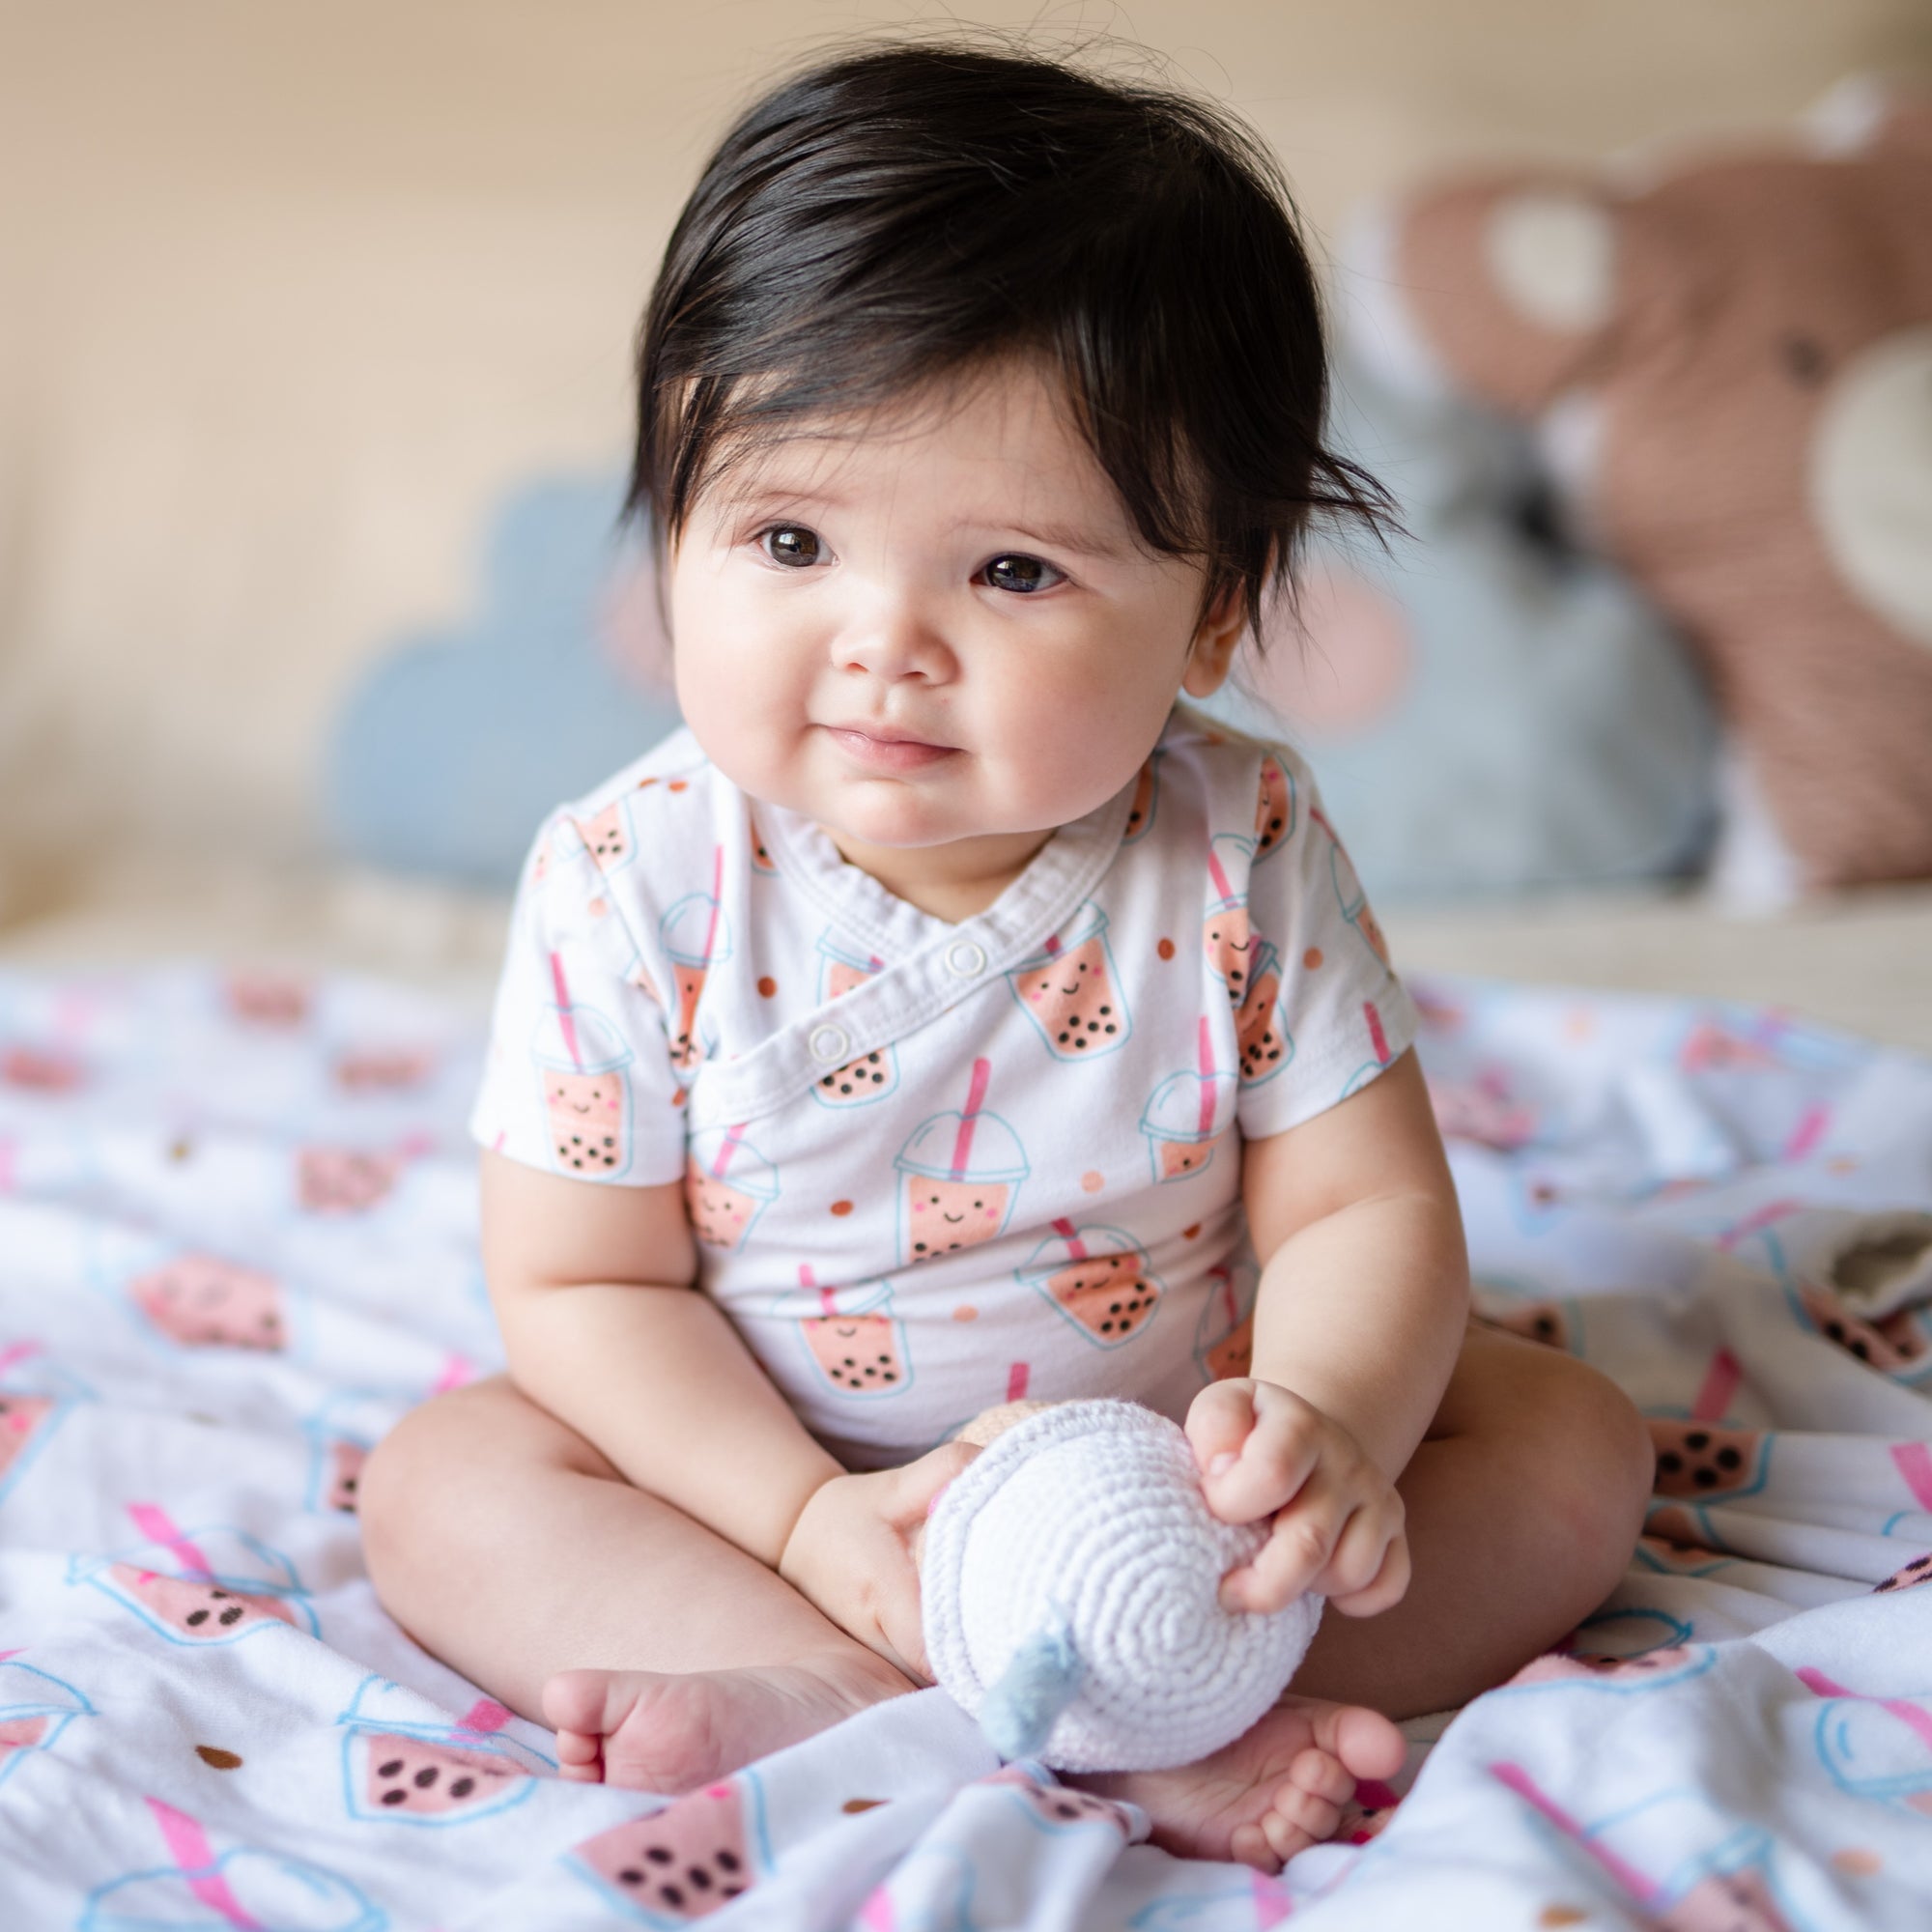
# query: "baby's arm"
1361,1311
603,1327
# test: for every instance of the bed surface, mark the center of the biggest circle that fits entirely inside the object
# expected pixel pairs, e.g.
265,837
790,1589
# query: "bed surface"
236,1241
1857,960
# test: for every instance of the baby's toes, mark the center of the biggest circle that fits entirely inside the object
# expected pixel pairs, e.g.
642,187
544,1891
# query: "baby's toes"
579,1755
575,1700
1322,1776
1296,1820
1249,1845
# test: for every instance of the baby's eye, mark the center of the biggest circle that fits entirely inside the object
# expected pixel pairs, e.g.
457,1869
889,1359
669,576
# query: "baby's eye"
1023,573
791,545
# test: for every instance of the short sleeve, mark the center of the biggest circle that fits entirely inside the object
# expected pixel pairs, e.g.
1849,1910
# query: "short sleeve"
580,1078
1320,1012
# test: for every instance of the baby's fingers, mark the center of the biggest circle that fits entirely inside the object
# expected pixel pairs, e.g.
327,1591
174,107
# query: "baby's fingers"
1359,1578
1297,1550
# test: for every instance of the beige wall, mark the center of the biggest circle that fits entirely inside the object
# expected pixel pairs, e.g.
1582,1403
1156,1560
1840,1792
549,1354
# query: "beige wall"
288,293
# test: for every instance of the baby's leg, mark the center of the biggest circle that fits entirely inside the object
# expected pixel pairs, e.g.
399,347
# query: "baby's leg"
1524,1505
664,1655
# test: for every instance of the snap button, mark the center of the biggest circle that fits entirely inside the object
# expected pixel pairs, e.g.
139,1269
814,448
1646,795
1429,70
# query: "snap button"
829,1042
965,958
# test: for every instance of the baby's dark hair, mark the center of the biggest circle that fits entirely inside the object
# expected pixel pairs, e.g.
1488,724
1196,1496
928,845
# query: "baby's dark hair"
903,214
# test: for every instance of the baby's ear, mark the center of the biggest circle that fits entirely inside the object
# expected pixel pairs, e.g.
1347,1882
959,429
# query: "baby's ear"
1215,640
1512,285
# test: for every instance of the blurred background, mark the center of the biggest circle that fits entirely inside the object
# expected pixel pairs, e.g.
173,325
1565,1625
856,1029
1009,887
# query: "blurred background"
314,327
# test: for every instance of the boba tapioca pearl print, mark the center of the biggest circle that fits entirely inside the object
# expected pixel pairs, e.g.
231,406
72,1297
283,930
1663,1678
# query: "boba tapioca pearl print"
871,1077
1147,795
686,1862
1070,991
1226,935
958,1175
582,1058
697,936
1274,808
850,1334
202,1301
1260,1032
606,835
1098,1278
1698,1459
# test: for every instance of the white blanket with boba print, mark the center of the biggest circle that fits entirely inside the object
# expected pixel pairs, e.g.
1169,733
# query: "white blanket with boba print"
236,1243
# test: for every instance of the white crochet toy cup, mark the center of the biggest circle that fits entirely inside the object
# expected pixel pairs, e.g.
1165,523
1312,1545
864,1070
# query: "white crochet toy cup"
1070,1579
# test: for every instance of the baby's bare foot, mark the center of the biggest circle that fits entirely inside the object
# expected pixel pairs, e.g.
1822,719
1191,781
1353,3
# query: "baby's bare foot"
1269,1794
650,1731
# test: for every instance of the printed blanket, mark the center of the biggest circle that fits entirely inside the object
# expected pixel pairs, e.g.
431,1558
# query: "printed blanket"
235,1243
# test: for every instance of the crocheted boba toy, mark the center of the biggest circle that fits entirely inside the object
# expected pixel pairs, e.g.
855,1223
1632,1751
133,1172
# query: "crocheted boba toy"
1070,1581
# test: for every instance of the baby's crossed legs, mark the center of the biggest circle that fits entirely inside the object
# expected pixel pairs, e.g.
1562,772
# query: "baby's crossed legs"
666,1657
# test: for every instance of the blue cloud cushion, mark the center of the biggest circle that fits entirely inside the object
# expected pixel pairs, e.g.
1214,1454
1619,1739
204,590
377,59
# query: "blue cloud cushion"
455,744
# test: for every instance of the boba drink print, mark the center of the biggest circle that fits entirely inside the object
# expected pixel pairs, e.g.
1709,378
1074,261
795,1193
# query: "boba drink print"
404,1761
1718,1871
1274,808
606,835
686,1862
246,1886
1098,1278
697,936
1225,933
850,1333
1070,991
580,1059
1348,892
35,1399
1224,1341
199,1586
35,1709
201,1302
1260,1033
1188,1113
874,1075
959,1174
727,1184
1147,796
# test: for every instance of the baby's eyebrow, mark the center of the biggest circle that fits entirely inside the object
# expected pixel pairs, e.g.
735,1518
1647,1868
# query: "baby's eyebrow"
1073,537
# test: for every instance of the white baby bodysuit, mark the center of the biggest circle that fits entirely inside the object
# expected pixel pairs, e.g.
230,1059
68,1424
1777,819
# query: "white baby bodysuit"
933,1167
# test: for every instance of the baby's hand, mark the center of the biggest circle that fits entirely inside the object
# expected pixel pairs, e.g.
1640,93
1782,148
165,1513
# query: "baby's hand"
851,1552
1337,1531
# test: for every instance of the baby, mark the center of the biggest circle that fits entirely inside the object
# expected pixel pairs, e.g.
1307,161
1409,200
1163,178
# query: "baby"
949,1014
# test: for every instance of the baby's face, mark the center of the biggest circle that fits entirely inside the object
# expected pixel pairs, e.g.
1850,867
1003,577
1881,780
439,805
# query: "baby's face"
934,632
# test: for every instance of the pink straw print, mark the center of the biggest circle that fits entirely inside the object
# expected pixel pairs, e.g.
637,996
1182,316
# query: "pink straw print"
188,1845
1220,878
1205,1052
566,1018
1018,1378
1913,1716
1807,1133
976,1098
15,1352
716,894
1721,1381
828,1301
1377,1038
158,1526
727,1149
482,1718
1075,1246
1628,1876
1914,1462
